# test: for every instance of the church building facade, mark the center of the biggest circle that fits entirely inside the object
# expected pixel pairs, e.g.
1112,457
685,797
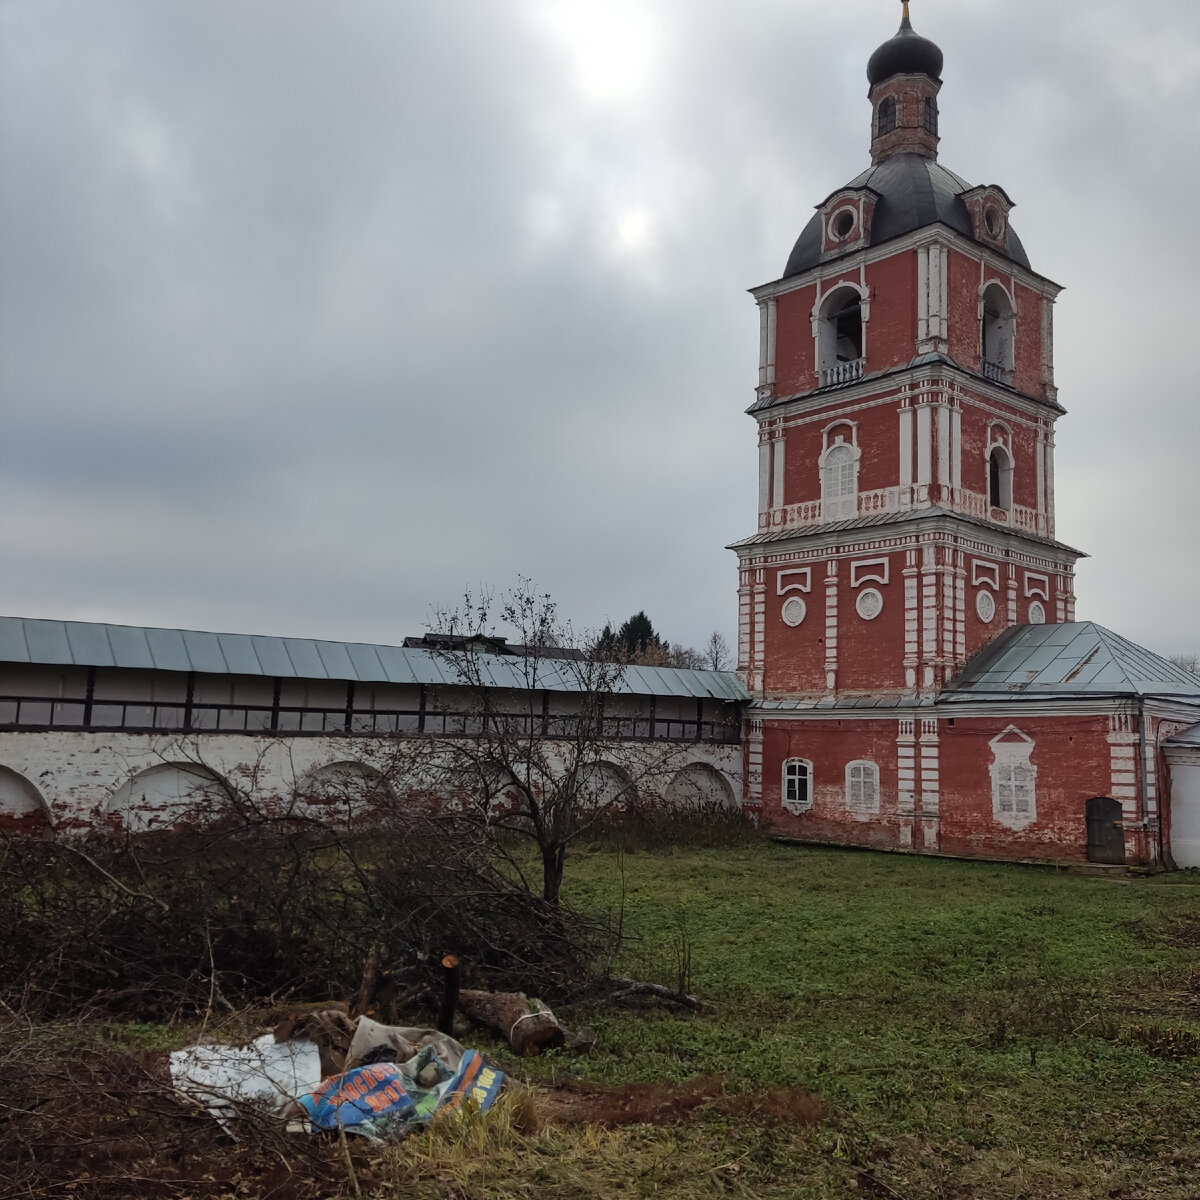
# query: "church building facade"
906,611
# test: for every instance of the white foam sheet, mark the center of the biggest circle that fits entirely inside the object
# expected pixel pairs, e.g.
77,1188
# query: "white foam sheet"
265,1074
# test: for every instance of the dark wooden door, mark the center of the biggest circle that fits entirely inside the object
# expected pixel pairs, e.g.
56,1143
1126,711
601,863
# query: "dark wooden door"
1105,831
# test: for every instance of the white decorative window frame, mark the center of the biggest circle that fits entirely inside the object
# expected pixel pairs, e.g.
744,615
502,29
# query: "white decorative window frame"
1008,471
799,580
1014,779
1037,613
864,804
869,603
869,570
1000,434
793,611
1037,585
792,804
985,572
824,340
985,606
840,507
852,230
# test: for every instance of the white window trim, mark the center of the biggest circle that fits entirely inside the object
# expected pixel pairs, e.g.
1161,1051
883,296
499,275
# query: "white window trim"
864,805
844,505
824,347
1012,773
794,806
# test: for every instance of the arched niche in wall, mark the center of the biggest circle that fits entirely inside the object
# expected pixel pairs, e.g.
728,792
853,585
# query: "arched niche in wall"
22,807
170,794
605,785
340,793
700,786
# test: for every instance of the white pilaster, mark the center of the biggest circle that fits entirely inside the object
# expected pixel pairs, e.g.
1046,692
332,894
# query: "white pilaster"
831,625
924,445
906,453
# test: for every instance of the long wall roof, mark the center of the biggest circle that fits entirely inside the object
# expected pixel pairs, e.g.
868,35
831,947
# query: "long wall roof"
34,641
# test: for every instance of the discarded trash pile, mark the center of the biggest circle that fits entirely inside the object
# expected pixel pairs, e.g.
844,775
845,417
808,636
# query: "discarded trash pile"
326,1071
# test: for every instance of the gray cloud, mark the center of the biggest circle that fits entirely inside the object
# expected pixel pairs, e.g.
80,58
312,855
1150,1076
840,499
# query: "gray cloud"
311,315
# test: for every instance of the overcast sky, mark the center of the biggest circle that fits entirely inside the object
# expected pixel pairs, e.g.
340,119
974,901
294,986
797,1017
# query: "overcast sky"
314,311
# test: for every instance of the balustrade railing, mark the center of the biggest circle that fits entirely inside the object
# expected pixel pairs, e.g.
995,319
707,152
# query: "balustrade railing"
842,372
995,372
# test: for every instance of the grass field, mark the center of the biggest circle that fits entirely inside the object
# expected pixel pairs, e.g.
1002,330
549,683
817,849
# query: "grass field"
880,1026
972,1030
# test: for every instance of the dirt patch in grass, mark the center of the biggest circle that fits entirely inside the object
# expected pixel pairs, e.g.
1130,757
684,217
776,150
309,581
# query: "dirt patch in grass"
86,1119
587,1103
1186,933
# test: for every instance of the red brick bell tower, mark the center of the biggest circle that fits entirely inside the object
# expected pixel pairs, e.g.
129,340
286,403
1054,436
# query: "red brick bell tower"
906,410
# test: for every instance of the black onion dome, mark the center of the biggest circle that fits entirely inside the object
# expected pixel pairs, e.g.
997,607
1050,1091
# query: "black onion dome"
914,192
908,53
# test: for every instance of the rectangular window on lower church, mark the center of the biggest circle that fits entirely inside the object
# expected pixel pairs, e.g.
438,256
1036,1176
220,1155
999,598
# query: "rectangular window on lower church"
862,786
797,785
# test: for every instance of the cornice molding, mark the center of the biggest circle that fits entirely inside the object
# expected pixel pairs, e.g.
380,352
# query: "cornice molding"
925,236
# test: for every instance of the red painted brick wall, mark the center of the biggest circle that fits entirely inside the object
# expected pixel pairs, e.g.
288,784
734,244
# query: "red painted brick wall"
962,275
794,362
830,745
871,653
1073,764
878,441
892,331
1071,755
1027,364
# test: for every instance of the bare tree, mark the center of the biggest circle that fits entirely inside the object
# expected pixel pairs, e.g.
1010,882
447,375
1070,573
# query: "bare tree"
687,657
717,655
1189,662
522,763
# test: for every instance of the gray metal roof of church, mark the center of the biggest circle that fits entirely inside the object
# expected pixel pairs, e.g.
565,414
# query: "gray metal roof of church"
89,644
914,192
1071,659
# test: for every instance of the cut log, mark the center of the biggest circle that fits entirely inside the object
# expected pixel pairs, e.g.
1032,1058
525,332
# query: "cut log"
626,989
528,1025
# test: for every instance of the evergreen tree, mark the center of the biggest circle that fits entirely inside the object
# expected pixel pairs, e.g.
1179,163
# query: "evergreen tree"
638,640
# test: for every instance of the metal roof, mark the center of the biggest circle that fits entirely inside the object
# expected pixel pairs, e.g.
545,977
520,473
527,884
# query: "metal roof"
1189,737
914,192
1078,658
840,702
88,644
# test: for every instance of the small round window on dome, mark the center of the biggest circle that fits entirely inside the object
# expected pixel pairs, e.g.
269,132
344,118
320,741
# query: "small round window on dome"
843,224
993,221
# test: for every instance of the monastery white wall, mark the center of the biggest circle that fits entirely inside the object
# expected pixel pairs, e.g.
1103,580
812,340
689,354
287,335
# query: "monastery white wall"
78,778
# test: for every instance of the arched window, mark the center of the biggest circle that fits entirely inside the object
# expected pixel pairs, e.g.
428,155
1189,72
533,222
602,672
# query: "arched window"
1000,474
797,785
997,334
887,115
840,337
929,115
839,482
862,786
